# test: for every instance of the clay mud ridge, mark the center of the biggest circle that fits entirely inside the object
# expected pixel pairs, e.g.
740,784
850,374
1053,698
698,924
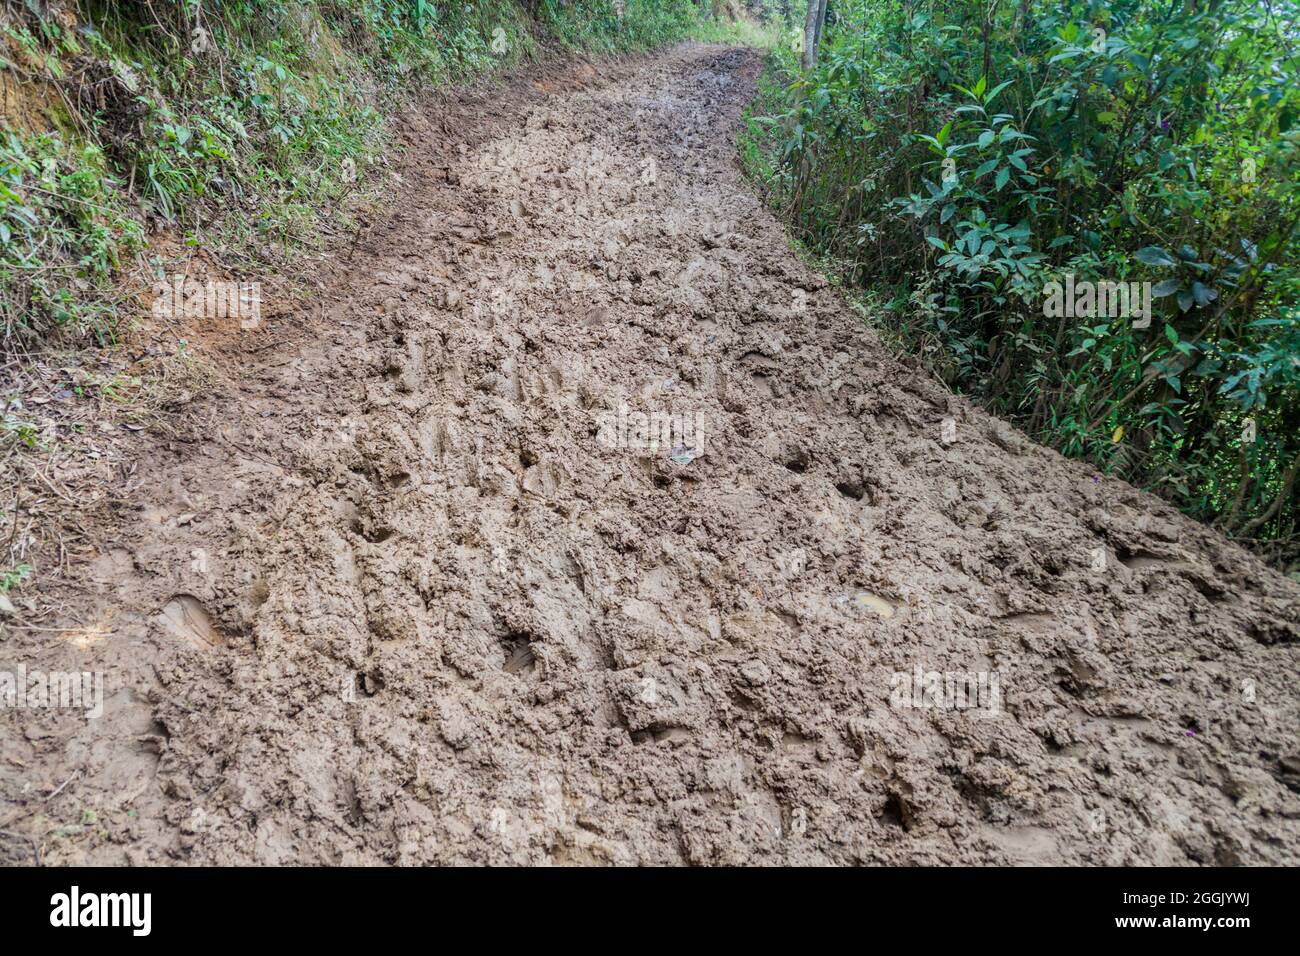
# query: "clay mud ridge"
576,520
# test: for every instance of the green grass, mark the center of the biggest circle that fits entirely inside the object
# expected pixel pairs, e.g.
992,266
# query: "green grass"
243,129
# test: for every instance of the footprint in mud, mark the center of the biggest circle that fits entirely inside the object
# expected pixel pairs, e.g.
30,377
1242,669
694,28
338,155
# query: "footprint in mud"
661,734
865,601
1140,560
544,479
761,371
185,617
1035,622
799,747
597,318
1026,845
520,658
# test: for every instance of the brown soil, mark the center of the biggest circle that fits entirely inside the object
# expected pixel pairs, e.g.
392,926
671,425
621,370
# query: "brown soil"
406,596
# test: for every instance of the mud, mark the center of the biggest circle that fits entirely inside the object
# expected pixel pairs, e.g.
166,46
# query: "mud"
429,589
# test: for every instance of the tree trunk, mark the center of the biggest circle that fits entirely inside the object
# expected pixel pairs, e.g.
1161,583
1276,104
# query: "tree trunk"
812,32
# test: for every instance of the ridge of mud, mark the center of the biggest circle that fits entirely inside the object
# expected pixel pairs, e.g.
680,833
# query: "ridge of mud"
440,595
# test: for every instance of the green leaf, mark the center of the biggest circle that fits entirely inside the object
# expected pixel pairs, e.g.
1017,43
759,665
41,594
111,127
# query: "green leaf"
1155,256
996,90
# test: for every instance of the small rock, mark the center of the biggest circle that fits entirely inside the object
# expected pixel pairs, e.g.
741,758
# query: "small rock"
755,672
683,455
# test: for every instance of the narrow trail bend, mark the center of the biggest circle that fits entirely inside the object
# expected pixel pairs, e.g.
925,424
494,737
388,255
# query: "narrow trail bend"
424,595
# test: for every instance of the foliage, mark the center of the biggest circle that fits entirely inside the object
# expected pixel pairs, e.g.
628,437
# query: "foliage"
956,157
242,124
598,25
55,196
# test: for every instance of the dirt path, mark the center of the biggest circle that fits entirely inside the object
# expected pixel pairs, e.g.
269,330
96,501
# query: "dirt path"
429,595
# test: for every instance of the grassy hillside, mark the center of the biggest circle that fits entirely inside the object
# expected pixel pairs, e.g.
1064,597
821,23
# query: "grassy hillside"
239,126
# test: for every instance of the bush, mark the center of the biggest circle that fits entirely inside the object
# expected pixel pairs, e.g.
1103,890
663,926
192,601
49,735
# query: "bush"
963,160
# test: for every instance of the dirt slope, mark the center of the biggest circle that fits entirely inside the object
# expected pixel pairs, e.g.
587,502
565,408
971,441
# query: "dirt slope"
425,600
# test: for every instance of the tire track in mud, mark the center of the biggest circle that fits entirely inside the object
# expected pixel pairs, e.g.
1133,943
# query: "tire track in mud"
591,526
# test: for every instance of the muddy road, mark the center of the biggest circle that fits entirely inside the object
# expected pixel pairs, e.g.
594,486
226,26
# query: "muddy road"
573,519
